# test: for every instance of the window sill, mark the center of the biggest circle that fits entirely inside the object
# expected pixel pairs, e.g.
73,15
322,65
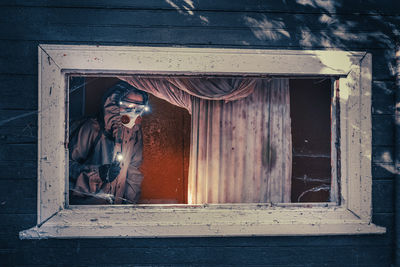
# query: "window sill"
199,221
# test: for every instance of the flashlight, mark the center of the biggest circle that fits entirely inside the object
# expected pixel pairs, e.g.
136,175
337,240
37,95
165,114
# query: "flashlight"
119,157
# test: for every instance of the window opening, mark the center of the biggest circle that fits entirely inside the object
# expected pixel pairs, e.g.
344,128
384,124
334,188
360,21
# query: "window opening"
166,135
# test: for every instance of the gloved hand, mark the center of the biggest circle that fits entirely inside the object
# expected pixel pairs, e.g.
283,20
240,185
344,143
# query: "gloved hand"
108,172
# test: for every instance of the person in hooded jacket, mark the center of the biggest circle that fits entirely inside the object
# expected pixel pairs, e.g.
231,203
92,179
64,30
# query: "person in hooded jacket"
106,153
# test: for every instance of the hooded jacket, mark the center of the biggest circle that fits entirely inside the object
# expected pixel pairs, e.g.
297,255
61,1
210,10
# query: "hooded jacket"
97,142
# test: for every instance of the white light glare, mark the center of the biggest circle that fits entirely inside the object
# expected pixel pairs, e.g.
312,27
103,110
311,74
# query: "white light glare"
120,157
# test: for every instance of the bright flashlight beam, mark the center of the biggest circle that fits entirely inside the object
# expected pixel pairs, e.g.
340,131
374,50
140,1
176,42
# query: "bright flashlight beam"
120,157
146,108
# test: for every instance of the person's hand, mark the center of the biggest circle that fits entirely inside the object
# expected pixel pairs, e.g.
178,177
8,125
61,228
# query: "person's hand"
108,172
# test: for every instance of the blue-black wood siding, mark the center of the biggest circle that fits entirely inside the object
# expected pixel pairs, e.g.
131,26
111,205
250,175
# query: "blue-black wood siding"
350,25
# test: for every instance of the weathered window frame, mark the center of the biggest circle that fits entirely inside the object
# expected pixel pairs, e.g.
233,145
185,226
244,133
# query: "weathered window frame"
351,216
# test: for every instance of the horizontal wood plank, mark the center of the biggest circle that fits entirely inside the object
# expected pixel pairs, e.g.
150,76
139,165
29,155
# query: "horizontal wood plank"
383,170
210,255
383,130
17,91
358,6
18,196
383,64
383,154
7,257
18,152
22,189
383,196
18,170
18,204
212,19
18,134
383,101
239,242
18,117
194,36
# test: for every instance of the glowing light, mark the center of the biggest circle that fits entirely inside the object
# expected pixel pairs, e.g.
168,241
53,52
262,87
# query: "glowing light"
146,108
119,157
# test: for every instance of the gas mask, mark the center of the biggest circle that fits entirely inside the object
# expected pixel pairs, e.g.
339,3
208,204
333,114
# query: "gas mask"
130,109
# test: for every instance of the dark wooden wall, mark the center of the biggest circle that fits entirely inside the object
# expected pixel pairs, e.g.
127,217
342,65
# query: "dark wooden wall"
362,25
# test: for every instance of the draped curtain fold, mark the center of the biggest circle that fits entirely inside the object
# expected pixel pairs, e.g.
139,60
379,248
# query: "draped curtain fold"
240,149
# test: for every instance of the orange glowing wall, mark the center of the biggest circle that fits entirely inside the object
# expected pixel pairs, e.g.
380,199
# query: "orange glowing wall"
166,138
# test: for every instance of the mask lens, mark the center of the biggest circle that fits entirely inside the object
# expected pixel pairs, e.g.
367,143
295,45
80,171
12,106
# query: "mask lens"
127,107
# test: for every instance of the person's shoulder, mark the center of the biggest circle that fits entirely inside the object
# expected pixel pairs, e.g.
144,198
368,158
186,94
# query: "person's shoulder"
83,130
91,124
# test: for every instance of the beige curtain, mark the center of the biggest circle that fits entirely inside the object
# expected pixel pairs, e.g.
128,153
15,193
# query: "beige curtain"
240,136
241,150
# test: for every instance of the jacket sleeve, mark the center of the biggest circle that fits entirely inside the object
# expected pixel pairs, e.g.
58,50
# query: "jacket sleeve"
134,176
79,149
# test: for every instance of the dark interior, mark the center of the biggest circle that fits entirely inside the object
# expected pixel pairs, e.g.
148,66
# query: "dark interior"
166,131
310,110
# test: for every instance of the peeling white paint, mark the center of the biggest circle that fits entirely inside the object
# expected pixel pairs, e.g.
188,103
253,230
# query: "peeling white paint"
352,216
213,220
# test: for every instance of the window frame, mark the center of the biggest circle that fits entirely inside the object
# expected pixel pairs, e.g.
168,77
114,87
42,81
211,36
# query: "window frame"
351,216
